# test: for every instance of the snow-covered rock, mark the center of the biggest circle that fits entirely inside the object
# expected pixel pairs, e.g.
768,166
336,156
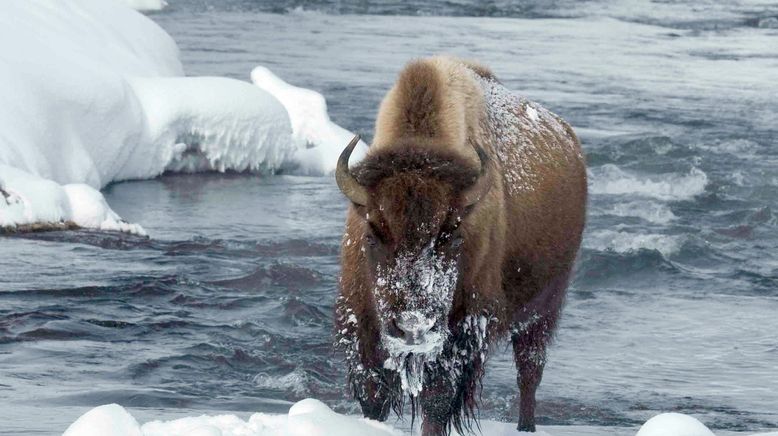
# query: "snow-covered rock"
28,202
93,92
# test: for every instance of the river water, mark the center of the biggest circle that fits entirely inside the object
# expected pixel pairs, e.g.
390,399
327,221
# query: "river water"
228,306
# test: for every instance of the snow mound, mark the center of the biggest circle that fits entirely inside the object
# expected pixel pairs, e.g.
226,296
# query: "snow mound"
117,107
674,424
110,419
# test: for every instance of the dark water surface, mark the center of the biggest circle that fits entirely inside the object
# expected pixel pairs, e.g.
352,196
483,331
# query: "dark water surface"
228,306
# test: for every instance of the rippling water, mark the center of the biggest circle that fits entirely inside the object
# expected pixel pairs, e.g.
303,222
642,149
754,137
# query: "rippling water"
228,307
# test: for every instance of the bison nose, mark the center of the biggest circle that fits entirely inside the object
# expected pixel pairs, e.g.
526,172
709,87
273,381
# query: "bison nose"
412,328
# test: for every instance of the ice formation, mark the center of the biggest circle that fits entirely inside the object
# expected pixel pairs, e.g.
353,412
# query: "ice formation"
117,107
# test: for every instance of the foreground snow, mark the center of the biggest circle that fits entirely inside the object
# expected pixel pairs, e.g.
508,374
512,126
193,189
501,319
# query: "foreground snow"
94,93
306,418
313,418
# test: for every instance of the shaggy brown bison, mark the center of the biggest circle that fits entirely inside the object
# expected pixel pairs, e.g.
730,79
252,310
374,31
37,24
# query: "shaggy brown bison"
465,219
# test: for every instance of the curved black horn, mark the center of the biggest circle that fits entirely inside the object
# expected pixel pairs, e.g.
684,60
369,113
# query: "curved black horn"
477,192
346,182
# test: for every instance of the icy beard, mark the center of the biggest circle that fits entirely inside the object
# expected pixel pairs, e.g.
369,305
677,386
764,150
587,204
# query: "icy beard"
426,284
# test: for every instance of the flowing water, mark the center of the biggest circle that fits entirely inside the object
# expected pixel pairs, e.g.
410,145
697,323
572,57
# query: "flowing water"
228,306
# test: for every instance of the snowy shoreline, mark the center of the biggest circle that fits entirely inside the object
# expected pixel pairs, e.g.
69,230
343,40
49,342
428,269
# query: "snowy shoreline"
118,107
311,417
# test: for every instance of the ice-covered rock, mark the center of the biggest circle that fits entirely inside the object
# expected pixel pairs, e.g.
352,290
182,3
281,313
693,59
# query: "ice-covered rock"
93,92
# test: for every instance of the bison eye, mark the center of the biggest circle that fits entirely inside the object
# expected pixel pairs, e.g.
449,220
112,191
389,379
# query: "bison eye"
374,236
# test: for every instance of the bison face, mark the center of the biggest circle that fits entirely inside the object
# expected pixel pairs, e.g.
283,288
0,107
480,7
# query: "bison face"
413,252
414,287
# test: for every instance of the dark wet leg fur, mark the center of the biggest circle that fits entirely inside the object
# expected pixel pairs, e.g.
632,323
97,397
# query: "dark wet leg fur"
436,406
529,351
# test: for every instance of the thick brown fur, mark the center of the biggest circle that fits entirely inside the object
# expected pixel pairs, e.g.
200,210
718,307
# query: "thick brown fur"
519,243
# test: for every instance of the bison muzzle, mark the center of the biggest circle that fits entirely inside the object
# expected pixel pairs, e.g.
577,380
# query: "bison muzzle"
464,224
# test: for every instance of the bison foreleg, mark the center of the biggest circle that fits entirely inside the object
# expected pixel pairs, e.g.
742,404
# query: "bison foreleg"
529,350
436,405
374,394
376,388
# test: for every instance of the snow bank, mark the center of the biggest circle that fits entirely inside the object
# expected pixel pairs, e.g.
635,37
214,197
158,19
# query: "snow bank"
93,92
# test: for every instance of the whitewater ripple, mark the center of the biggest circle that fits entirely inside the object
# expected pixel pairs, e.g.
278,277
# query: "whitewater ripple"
612,180
626,242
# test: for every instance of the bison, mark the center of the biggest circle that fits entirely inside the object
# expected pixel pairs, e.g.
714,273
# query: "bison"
465,220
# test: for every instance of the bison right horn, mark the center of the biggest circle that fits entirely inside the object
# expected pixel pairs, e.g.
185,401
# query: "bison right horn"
346,182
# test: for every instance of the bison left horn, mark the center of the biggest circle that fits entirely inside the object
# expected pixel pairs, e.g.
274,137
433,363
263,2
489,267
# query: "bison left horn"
483,183
346,182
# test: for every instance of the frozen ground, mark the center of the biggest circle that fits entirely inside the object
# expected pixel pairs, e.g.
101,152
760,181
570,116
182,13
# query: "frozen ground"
227,308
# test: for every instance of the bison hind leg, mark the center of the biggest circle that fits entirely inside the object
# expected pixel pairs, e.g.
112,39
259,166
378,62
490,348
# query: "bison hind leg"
530,339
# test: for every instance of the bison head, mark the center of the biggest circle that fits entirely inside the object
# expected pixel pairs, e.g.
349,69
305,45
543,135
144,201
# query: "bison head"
412,201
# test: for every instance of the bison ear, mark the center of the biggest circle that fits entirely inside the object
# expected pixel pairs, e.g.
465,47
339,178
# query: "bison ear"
346,181
482,184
